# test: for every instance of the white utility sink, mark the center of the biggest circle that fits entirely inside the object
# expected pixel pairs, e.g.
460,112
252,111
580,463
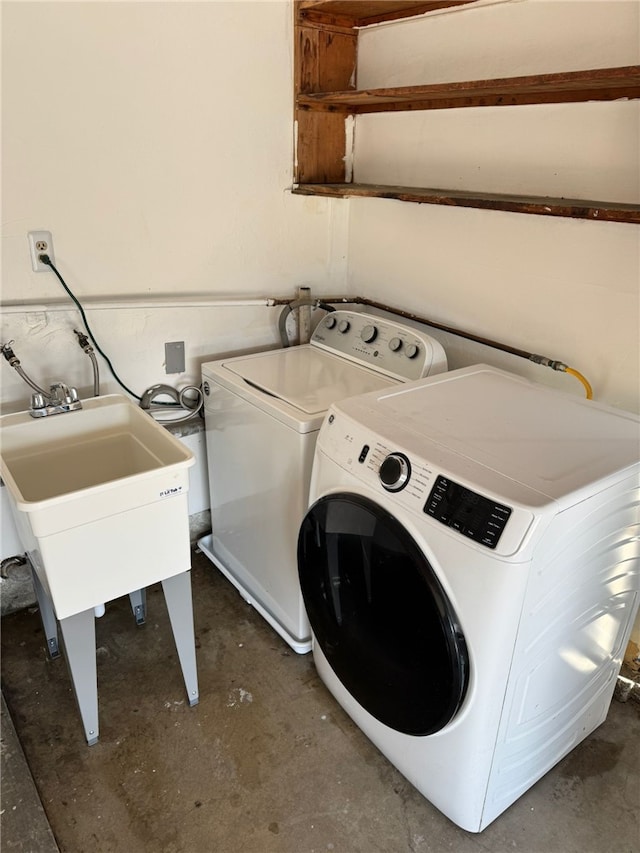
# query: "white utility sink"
100,499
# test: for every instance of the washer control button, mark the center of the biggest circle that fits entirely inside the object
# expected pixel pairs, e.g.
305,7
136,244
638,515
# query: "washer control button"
363,453
344,326
395,472
330,322
395,344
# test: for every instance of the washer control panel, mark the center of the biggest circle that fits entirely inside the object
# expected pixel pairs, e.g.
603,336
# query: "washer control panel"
471,514
423,486
392,348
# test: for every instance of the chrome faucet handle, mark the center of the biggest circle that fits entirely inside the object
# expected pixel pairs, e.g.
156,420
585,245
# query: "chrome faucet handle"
37,401
54,391
59,392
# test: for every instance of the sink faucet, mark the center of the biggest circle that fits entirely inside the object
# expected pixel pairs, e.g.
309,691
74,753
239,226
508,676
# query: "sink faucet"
60,398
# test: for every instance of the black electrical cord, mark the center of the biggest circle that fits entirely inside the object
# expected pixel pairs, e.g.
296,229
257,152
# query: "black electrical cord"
45,259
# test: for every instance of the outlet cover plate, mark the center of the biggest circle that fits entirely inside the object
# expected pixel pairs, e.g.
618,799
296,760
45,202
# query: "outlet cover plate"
174,357
40,243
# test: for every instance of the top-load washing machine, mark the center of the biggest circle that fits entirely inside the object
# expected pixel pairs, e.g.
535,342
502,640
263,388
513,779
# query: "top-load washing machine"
262,416
470,568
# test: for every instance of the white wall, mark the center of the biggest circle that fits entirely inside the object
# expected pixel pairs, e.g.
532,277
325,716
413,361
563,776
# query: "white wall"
564,288
155,141
159,152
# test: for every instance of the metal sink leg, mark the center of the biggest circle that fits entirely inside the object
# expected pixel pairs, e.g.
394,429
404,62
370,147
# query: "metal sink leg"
47,615
138,601
177,593
79,635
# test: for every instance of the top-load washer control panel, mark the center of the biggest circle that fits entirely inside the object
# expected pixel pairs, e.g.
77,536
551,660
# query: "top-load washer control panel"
392,348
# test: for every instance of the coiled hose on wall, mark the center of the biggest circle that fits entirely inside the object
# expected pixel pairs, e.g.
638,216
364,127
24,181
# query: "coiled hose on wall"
180,400
291,306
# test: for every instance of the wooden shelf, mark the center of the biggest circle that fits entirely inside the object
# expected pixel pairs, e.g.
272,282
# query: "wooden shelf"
605,84
574,208
362,13
325,60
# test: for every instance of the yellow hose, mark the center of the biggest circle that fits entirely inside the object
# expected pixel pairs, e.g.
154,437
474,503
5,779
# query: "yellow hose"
578,375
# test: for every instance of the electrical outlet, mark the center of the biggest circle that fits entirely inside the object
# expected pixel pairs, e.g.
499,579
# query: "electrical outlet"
40,243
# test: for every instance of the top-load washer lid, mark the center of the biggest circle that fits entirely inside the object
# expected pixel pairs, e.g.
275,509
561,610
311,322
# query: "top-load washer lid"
306,378
295,385
349,353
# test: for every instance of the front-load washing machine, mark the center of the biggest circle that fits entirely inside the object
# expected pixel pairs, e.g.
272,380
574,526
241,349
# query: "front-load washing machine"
470,567
262,416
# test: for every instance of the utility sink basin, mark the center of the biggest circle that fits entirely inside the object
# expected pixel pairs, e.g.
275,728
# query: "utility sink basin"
100,500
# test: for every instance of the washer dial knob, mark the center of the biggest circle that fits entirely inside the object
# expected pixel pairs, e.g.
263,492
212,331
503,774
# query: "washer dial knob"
369,334
395,472
344,326
412,350
330,322
395,344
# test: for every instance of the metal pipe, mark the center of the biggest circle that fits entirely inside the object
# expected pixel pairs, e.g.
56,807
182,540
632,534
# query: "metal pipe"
543,360
30,382
14,362
85,346
96,373
139,304
304,315
443,328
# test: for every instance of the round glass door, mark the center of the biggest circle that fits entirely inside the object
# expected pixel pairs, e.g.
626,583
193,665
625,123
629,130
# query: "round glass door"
380,615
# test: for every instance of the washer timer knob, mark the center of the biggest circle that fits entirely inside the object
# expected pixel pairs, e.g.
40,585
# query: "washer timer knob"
344,326
395,344
412,350
369,334
394,472
330,322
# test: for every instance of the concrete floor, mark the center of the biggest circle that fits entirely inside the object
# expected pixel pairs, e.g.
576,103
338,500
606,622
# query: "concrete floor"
267,762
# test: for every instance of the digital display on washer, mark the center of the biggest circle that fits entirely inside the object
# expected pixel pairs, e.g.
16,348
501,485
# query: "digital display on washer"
471,514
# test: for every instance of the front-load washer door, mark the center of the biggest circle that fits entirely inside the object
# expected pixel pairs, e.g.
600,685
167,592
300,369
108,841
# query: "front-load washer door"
380,614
